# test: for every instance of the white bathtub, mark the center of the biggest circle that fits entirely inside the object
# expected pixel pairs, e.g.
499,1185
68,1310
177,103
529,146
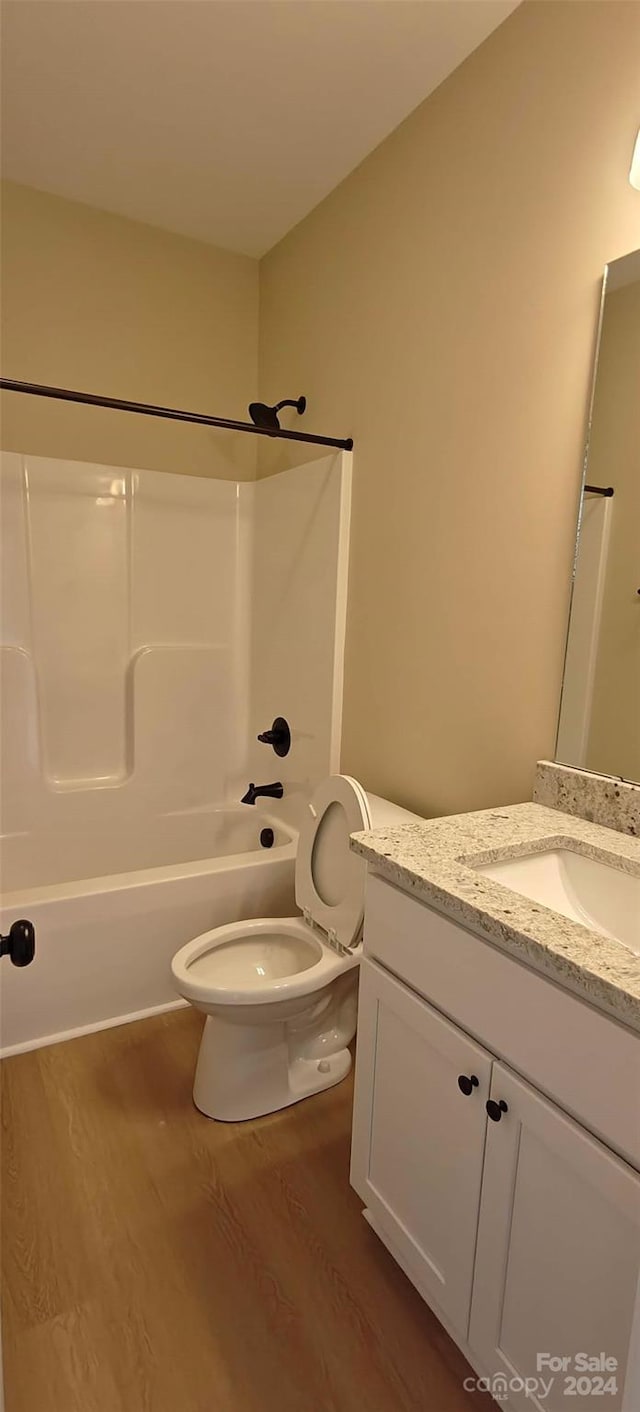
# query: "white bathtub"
110,911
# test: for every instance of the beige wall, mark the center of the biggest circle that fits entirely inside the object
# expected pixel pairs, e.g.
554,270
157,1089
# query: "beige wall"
440,306
102,304
614,459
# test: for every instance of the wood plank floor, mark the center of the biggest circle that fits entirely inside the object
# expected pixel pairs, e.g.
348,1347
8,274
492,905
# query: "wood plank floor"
155,1261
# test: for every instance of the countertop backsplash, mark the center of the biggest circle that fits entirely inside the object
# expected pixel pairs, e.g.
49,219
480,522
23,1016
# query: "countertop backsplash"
600,799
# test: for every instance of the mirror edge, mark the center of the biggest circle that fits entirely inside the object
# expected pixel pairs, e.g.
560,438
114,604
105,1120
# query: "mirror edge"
583,480
579,512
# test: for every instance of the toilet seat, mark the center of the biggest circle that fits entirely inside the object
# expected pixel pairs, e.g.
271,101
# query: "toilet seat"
222,966
273,959
330,878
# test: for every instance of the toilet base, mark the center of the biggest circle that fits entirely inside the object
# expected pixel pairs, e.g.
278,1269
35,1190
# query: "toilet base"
246,1071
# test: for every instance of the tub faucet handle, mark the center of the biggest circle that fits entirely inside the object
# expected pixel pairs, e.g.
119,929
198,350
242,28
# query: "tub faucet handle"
279,736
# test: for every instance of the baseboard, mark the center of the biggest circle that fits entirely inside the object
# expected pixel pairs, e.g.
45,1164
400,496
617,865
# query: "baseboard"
110,1024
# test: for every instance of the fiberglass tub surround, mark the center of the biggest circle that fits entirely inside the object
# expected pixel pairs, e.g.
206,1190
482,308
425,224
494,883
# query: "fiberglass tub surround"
53,858
125,632
150,630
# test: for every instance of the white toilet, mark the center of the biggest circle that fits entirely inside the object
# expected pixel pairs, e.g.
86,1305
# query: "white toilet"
280,994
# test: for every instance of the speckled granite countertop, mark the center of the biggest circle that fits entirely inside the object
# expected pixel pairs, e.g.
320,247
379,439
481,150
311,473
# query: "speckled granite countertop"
434,861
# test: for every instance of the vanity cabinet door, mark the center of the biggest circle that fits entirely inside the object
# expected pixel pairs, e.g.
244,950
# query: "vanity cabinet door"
418,1139
558,1255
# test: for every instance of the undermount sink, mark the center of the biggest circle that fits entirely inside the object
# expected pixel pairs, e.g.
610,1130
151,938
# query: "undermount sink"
581,888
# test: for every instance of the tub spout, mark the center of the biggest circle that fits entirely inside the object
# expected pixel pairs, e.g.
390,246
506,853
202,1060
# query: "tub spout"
269,791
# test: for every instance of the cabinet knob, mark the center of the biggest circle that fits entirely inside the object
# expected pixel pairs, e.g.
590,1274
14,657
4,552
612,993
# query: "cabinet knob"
495,1110
467,1083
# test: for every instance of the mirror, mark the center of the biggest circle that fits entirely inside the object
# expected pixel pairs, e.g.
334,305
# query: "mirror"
599,727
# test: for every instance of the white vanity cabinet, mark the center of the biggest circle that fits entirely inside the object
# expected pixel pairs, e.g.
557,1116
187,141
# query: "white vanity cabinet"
418,1142
519,1225
558,1253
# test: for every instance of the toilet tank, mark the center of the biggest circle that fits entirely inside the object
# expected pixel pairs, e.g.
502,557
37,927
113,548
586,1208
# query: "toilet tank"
384,814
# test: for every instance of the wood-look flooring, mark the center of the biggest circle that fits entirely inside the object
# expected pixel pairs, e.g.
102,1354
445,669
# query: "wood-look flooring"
155,1261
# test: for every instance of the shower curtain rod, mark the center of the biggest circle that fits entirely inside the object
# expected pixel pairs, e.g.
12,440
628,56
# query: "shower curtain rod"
62,394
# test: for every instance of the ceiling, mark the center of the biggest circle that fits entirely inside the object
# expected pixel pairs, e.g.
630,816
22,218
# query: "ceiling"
226,120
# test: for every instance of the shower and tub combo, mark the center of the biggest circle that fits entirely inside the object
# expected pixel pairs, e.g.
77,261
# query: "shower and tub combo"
153,624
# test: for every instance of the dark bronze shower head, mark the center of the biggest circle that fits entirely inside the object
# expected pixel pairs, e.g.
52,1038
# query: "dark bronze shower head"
267,417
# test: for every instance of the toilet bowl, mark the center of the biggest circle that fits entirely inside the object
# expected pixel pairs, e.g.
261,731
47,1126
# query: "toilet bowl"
280,994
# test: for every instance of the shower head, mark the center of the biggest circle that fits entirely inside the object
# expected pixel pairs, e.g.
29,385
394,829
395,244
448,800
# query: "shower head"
267,417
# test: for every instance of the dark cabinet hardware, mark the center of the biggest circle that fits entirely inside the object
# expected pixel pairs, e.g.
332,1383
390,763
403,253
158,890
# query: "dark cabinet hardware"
20,944
279,736
467,1083
495,1110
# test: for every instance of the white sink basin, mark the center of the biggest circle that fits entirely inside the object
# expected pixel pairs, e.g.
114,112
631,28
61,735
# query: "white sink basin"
583,889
